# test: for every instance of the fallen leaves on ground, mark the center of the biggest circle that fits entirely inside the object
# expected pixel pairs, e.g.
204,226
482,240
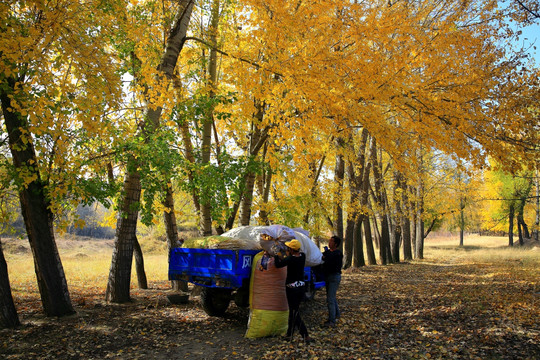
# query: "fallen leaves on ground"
403,311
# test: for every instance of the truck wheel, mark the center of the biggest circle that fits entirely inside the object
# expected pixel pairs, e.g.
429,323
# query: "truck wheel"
241,297
310,291
215,301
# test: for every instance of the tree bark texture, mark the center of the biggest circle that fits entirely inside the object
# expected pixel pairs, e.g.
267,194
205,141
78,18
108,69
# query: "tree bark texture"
35,208
419,248
316,171
405,219
461,220
370,251
8,312
208,122
511,225
380,194
348,243
537,220
358,251
339,175
359,183
264,183
258,138
419,254
118,285
139,264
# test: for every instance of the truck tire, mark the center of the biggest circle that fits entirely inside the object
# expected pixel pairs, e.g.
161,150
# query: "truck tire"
215,301
310,291
241,297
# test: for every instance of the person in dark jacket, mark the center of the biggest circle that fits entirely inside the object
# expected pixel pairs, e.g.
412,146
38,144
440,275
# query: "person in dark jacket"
295,261
333,261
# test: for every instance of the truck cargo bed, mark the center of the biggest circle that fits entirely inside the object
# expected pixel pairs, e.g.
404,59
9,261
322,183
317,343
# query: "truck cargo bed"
211,267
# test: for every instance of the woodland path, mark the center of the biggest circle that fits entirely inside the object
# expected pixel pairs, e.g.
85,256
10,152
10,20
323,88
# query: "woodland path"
403,311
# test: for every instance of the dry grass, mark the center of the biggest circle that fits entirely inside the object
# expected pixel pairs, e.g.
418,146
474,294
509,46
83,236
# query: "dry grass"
86,261
481,249
86,264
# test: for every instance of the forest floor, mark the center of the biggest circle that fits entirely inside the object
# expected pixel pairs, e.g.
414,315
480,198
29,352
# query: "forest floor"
443,307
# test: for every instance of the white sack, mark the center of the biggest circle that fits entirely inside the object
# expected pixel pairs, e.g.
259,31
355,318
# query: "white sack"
282,233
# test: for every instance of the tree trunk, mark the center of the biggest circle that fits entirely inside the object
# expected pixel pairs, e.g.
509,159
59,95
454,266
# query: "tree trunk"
537,220
118,285
420,208
257,140
348,243
406,237
8,313
520,233
264,189
37,215
316,170
169,219
376,232
521,220
190,157
380,194
461,220
413,227
139,264
339,175
358,257
395,225
247,199
419,254
511,225
369,242
208,122
405,220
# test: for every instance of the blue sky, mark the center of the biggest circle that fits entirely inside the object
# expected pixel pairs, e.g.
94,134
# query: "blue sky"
530,37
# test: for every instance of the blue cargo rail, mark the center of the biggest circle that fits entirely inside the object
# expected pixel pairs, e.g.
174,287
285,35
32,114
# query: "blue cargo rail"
211,267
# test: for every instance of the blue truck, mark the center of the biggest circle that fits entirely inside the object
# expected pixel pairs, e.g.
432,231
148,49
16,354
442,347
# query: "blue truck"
224,275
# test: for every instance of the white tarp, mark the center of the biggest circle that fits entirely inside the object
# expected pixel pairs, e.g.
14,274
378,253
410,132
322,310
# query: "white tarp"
282,234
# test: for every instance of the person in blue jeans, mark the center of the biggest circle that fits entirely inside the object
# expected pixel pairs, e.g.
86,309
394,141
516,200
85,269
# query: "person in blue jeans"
332,264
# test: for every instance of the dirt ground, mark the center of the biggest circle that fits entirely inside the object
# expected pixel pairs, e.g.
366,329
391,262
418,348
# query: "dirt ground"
404,311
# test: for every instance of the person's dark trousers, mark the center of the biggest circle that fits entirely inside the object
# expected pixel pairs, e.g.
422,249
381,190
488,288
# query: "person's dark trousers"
332,285
294,298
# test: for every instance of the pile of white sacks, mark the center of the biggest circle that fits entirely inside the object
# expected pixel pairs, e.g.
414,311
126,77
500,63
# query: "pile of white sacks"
279,234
